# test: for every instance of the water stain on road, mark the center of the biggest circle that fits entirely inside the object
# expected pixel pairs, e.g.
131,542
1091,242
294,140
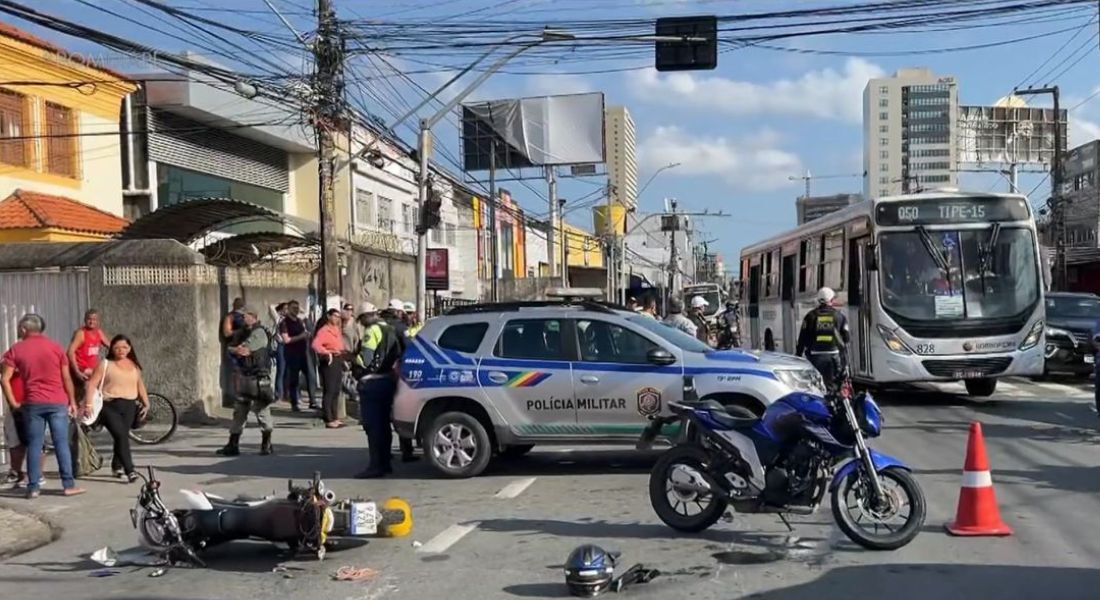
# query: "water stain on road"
742,557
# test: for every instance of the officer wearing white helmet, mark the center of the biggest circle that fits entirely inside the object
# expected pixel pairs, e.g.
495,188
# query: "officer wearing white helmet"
824,338
702,329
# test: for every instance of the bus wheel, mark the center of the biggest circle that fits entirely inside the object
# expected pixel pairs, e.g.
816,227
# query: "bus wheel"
981,388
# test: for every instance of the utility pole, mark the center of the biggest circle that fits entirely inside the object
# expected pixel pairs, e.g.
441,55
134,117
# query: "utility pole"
564,244
1057,206
673,252
493,260
552,189
328,92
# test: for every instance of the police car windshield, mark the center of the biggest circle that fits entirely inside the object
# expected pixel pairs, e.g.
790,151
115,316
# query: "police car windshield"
675,336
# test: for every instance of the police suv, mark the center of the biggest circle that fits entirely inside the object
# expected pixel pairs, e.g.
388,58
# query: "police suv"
504,377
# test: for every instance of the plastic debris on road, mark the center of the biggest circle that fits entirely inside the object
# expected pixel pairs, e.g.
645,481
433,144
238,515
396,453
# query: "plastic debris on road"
103,573
349,573
105,556
158,572
137,557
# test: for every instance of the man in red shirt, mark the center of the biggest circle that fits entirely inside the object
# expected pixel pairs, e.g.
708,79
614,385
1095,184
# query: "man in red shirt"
84,349
48,400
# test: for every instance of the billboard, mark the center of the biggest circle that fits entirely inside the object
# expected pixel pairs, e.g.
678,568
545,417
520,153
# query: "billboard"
437,269
1007,134
544,130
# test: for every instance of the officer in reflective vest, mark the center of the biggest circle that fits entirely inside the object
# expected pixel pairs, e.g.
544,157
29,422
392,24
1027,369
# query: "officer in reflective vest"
824,338
375,368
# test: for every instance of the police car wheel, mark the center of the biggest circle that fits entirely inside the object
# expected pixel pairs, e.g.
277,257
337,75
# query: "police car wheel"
458,445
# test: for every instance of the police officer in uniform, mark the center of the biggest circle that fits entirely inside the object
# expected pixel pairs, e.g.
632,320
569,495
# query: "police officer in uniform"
824,338
375,369
396,317
252,391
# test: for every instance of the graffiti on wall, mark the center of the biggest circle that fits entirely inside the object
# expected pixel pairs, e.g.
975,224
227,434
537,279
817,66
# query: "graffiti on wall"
374,282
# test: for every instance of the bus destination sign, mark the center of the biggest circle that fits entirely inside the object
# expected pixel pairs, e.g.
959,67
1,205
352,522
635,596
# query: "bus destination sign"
951,210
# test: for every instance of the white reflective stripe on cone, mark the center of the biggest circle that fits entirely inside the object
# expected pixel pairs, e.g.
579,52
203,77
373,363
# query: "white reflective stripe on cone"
977,479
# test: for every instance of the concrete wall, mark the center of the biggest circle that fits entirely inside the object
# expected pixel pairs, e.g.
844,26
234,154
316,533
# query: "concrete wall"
379,278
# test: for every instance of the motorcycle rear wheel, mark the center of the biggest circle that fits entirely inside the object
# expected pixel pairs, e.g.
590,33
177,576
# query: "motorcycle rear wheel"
857,532
660,490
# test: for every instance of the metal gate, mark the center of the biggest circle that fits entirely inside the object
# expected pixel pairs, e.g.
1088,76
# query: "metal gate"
59,297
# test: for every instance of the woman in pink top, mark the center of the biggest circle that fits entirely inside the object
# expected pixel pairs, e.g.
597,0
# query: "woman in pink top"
328,343
124,401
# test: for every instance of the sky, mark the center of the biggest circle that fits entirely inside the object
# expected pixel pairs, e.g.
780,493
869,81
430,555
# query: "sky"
739,132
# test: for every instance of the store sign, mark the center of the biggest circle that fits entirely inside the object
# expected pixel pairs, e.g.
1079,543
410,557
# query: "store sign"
437,270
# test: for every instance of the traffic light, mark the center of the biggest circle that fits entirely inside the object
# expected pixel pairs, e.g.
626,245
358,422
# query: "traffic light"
430,212
697,50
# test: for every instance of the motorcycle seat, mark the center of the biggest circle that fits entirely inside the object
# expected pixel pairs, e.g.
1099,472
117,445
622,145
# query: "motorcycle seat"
721,415
239,502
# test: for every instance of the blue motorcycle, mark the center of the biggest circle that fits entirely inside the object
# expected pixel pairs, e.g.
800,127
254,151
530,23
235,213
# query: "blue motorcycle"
783,463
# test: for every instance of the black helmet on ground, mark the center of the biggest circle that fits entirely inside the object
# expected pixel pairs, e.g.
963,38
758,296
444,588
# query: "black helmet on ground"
589,571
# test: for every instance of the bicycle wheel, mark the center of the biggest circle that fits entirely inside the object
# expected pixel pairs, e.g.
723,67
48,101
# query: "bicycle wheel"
160,423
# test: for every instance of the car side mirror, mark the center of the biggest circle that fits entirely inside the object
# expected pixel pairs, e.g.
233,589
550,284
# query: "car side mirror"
660,356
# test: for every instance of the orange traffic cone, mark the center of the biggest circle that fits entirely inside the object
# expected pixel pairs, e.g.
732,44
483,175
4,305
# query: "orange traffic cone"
977,513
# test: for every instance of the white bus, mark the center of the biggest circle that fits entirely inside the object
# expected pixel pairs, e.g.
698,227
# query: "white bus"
937,286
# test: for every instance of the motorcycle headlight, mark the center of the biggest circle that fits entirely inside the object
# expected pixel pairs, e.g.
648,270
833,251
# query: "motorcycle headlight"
802,380
1033,337
893,342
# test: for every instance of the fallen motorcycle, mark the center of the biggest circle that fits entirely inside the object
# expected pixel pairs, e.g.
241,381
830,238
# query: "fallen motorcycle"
781,463
309,518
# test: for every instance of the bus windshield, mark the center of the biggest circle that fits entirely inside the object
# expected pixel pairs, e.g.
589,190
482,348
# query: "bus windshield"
709,293
960,274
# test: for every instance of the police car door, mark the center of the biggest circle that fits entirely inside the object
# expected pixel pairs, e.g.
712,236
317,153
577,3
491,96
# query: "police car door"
616,386
528,378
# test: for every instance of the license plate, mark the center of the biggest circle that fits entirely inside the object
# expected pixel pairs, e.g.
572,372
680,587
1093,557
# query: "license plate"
969,374
1089,359
364,518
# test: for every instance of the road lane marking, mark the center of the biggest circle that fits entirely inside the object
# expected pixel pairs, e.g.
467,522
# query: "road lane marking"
446,538
515,488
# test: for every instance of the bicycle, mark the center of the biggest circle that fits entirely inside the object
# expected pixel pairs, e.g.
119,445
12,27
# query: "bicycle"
159,425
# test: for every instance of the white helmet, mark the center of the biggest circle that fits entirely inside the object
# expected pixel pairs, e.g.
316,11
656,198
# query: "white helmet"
396,304
699,302
825,295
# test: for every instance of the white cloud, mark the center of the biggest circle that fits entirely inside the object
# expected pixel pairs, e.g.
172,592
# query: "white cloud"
753,163
1082,130
553,84
826,93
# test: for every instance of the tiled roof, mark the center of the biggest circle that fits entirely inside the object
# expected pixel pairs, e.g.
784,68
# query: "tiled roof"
31,210
11,31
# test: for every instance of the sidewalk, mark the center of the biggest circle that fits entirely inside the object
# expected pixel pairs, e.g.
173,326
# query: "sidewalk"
21,532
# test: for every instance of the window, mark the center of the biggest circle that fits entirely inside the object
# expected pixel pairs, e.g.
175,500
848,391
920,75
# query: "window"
884,141
807,266
884,89
883,128
364,208
883,116
408,217
13,108
883,102
884,154
883,180
609,343
834,259
771,274
450,237
434,236
465,337
61,141
883,192
883,167
535,339
385,216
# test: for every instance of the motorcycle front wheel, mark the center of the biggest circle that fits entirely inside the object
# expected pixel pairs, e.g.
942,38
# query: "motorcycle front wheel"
682,509
865,523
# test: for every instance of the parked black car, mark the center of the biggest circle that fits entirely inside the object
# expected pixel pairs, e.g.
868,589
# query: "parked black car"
1071,320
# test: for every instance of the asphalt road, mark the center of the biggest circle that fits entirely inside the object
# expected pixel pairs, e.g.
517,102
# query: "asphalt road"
504,535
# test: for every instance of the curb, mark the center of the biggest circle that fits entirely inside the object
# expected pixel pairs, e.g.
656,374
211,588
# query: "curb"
43,531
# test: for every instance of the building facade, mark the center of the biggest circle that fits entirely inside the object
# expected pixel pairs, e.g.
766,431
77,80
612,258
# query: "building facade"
622,164
1081,192
909,133
58,140
815,207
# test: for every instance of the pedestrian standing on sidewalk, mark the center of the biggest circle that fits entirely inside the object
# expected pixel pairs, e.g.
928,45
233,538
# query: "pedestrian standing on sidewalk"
277,314
125,401
49,400
254,392
295,337
15,431
84,349
330,349
375,369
